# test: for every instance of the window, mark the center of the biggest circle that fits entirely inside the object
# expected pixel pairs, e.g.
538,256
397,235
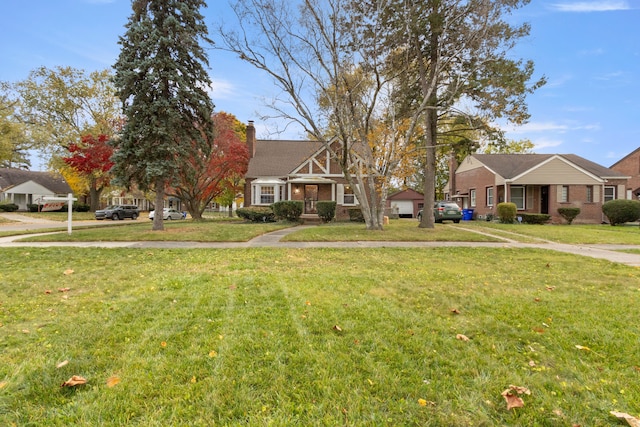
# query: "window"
589,193
348,197
564,194
489,196
472,196
517,197
267,195
609,193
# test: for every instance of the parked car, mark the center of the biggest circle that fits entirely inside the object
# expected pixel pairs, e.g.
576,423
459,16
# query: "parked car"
444,210
118,212
168,213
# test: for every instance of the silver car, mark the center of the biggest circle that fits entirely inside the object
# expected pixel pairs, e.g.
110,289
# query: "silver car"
168,213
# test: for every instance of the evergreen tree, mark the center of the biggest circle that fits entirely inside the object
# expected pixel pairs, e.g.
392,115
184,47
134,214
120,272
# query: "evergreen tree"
161,80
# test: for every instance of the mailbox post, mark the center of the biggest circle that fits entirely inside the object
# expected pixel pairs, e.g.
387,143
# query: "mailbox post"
69,199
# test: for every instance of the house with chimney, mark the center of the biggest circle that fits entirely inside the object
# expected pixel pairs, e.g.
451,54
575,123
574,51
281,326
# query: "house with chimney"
295,170
536,183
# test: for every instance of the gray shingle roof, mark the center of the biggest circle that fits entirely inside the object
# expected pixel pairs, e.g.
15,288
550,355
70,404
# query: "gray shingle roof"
10,177
280,158
511,165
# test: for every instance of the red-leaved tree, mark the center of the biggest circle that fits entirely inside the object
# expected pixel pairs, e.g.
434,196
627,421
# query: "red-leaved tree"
92,159
205,175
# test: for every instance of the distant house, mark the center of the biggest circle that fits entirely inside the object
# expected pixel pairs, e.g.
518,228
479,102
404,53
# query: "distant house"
630,165
405,203
24,187
537,183
295,170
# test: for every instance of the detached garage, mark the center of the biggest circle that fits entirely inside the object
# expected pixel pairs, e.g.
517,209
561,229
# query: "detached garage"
406,203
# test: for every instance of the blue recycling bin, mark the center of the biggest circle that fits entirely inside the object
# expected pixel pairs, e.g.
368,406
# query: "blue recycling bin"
467,214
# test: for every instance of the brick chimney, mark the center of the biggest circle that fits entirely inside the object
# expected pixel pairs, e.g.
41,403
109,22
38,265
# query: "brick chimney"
251,139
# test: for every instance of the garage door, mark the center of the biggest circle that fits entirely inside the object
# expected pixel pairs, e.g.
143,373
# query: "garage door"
405,207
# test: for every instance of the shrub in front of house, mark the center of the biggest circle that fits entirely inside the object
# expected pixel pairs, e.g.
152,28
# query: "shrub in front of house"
534,218
33,207
621,210
507,212
287,210
569,214
81,207
326,210
355,215
8,207
256,214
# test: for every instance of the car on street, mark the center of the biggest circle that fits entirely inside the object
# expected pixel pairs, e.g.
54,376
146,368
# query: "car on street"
168,213
115,212
444,210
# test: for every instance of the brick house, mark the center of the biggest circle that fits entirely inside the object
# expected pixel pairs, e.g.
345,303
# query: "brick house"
537,183
295,170
630,165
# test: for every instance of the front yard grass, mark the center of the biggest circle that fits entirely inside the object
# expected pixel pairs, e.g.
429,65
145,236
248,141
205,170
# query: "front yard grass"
315,337
183,231
571,234
396,230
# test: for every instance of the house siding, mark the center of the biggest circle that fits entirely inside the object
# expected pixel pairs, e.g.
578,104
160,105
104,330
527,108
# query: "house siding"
556,171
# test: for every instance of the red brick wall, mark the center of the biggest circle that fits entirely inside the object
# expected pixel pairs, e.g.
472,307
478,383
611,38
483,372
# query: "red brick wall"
630,166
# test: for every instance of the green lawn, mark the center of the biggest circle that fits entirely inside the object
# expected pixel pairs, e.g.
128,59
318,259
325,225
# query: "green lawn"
397,230
577,233
316,337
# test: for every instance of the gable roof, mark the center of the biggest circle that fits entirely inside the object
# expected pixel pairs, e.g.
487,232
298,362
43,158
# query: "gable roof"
633,153
512,165
408,194
10,177
279,158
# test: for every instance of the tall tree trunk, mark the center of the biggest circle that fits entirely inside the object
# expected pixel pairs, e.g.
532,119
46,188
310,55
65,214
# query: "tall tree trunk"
158,224
94,196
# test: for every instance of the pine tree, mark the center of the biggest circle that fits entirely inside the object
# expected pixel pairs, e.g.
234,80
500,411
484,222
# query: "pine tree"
161,80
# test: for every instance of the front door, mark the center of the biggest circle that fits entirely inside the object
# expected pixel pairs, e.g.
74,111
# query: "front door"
310,199
544,199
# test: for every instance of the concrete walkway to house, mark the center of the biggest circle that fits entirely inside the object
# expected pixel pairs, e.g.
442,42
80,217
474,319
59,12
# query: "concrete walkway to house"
273,239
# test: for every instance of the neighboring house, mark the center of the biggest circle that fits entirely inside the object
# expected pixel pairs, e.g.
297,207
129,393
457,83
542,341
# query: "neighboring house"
24,187
630,165
537,183
294,170
405,203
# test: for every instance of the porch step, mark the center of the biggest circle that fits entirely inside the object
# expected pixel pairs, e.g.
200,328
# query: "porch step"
310,219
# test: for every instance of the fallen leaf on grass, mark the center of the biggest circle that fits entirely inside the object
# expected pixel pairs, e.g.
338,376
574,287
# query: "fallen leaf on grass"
581,347
3,384
538,330
213,353
550,288
61,364
462,337
64,289
74,381
337,328
630,419
113,381
423,402
455,311
67,272
47,291
511,396
163,344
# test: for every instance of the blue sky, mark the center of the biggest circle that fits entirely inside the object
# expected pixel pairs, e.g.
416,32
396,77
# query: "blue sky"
589,51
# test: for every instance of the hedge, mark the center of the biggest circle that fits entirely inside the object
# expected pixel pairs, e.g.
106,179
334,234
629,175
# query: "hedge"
507,212
621,210
569,214
8,207
256,214
355,215
326,210
289,210
534,218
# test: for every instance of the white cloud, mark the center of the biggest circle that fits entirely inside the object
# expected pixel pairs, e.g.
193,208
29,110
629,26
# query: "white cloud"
222,89
542,143
539,127
591,6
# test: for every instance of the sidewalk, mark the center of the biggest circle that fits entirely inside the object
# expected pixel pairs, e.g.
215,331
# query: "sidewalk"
607,252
